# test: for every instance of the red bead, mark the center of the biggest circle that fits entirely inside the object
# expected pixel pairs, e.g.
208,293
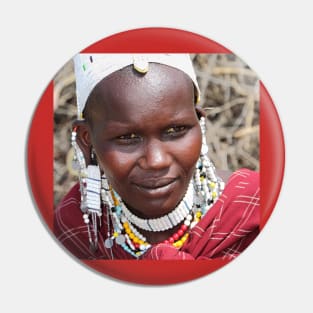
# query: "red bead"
137,245
166,241
184,227
171,240
180,232
175,236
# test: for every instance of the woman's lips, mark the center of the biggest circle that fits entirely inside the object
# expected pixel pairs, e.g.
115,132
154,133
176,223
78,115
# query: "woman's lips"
156,187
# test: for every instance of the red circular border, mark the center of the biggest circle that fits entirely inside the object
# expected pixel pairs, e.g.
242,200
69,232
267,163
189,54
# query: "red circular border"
40,161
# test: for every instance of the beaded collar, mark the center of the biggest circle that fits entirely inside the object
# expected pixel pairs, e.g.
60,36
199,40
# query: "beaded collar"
165,222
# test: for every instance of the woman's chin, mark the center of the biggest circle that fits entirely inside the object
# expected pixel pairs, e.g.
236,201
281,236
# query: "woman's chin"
158,192
157,202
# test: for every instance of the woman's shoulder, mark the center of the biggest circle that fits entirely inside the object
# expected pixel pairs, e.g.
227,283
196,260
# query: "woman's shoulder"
69,227
68,213
239,203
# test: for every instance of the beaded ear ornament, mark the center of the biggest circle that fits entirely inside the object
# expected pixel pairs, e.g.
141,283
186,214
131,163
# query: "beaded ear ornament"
90,186
123,226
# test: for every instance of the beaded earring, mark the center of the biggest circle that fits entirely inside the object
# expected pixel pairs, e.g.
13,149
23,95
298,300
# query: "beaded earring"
90,186
208,186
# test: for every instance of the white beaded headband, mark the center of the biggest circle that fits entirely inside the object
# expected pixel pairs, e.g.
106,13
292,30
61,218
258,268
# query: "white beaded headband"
90,69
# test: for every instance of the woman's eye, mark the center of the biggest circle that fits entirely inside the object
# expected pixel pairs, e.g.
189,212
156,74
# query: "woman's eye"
176,131
128,139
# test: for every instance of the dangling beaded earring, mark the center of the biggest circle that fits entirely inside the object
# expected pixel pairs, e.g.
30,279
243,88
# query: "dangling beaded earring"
90,186
208,186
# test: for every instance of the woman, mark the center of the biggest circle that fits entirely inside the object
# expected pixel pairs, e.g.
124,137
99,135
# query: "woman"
147,187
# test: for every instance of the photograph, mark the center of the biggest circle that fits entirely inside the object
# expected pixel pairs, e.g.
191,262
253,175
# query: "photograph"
156,156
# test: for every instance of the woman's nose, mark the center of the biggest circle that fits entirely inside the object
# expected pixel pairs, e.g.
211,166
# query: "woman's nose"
155,156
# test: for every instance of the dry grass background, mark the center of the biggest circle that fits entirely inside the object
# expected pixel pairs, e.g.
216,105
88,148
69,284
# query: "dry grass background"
229,94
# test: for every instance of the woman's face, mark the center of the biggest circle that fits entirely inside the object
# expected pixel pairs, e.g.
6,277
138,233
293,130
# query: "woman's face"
145,132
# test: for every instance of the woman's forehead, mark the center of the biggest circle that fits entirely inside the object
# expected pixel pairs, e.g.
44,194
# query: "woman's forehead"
158,74
127,91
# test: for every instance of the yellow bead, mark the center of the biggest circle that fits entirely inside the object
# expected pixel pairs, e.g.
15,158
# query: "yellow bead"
212,184
116,202
214,194
131,236
115,234
198,214
185,238
136,240
179,243
141,242
201,178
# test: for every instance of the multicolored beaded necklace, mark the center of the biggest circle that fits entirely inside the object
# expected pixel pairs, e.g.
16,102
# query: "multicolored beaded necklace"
201,194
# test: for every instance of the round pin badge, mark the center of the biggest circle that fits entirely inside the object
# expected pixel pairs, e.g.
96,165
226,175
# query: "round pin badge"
156,148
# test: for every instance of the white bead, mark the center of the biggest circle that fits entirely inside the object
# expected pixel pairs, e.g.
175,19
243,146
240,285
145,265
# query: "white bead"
222,185
180,215
187,223
169,224
204,149
189,217
193,224
142,247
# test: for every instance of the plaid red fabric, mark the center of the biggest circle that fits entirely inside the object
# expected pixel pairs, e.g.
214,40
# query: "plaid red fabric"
225,231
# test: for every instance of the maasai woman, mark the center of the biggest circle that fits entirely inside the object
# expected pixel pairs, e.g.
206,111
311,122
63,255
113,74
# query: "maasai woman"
147,188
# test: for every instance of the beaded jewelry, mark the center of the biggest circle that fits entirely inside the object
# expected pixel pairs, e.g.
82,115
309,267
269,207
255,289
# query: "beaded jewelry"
90,186
165,222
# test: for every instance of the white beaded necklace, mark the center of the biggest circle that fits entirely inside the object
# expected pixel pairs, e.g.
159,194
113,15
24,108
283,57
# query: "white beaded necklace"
165,222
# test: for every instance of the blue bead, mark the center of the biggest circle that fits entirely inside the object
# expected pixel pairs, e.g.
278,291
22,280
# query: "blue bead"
118,209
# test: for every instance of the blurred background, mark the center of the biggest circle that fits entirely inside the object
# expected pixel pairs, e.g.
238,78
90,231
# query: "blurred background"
229,95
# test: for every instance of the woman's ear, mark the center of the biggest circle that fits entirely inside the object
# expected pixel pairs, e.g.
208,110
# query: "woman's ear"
83,138
200,112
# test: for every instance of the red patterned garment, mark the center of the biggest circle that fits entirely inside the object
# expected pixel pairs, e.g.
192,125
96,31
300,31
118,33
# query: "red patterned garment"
230,225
